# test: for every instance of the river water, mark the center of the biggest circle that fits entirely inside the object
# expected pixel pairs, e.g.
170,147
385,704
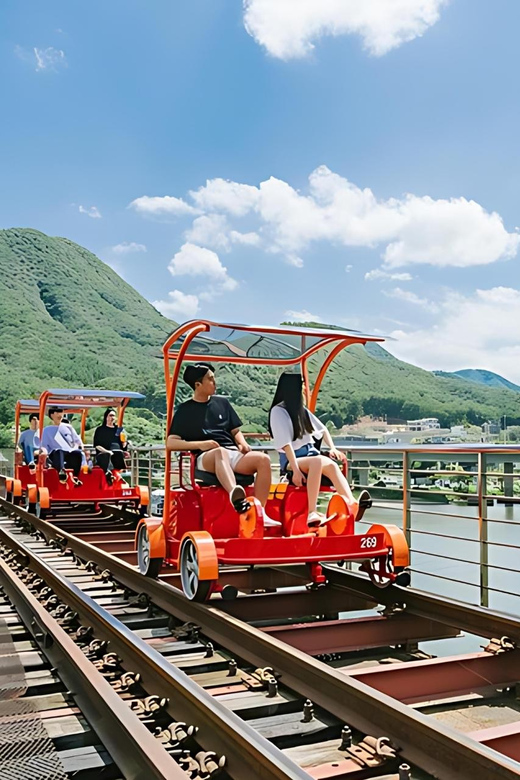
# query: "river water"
457,558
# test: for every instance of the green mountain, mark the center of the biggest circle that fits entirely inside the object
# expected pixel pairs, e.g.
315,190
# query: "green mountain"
68,320
482,377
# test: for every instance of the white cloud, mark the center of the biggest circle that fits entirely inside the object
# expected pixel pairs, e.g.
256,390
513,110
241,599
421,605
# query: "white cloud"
410,297
127,247
162,206
214,230
469,333
90,211
179,306
454,232
409,230
193,260
378,273
287,28
348,268
302,316
246,239
229,196
50,58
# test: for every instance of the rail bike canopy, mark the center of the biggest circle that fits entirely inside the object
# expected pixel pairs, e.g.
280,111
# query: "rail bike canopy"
79,400
282,345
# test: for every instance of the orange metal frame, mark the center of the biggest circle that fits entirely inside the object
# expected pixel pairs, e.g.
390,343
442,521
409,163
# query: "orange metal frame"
80,406
193,328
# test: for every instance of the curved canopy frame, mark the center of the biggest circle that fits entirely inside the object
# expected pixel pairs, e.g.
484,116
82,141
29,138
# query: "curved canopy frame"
217,342
78,401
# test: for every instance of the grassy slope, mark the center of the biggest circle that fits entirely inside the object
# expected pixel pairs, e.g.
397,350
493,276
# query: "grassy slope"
67,319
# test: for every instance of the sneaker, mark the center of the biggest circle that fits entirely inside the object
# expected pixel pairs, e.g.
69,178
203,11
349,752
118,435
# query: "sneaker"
109,477
238,499
317,519
270,523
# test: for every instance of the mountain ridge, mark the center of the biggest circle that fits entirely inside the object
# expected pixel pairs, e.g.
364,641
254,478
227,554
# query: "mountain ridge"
67,319
481,376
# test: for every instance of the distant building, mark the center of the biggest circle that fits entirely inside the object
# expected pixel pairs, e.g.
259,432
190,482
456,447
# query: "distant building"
425,424
348,440
491,428
459,431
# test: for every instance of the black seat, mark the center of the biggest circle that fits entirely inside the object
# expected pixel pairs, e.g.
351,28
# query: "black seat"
208,478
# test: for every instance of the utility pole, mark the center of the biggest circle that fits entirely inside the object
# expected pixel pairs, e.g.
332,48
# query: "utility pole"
505,429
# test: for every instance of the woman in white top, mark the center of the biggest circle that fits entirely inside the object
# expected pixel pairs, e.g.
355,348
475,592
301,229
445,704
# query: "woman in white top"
294,430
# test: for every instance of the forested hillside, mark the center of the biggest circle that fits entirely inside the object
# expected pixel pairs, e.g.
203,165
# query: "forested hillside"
481,377
67,319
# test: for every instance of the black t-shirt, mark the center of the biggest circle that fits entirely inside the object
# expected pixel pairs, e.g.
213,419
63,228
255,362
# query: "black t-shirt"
202,421
107,437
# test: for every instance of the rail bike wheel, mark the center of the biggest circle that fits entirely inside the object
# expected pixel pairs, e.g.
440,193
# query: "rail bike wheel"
390,568
32,504
148,566
379,570
198,565
44,503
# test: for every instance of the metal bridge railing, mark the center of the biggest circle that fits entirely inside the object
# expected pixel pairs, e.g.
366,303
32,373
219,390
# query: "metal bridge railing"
459,508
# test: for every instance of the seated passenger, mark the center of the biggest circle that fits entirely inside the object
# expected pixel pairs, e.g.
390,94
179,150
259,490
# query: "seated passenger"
294,430
63,446
209,426
26,441
110,450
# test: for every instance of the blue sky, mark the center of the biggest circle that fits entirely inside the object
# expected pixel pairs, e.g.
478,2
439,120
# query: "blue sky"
242,162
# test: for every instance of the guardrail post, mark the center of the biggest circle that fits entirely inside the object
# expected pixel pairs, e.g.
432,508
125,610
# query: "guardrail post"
407,512
483,528
508,483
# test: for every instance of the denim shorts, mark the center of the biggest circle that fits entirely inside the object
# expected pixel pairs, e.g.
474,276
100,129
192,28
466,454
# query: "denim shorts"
307,451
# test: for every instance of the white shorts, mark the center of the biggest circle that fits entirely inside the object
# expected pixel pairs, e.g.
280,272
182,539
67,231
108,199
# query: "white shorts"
234,457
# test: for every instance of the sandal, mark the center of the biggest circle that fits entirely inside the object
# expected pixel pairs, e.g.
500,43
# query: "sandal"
63,477
364,503
77,482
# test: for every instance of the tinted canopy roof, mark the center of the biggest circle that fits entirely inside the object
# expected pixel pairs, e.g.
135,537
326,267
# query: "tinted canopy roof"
84,394
77,399
248,343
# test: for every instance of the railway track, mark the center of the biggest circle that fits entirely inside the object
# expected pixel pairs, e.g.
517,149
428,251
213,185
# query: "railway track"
259,695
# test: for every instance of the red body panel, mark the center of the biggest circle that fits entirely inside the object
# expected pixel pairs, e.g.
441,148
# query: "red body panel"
93,490
298,549
209,509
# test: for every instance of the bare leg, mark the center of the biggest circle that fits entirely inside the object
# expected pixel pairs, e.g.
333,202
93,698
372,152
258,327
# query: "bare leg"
217,462
331,470
312,467
257,463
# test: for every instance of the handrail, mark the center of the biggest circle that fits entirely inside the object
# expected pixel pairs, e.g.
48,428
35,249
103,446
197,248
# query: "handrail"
488,469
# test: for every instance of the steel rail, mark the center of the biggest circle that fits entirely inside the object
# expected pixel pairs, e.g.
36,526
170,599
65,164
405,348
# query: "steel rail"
431,745
467,617
133,747
249,754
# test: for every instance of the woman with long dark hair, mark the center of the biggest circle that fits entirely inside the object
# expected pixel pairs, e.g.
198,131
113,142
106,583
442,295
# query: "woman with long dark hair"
295,431
110,450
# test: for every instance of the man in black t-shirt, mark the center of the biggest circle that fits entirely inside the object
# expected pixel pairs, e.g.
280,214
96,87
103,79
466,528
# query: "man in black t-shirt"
208,425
